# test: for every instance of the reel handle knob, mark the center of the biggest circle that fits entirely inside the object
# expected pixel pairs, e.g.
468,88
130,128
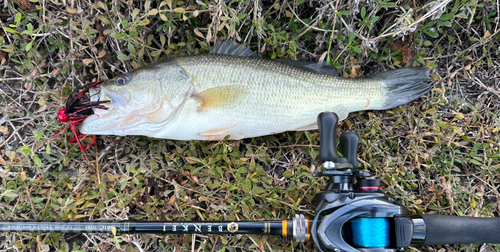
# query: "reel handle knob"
327,124
349,142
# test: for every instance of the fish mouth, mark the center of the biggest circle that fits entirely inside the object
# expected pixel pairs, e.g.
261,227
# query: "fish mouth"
96,94
108,121
116,101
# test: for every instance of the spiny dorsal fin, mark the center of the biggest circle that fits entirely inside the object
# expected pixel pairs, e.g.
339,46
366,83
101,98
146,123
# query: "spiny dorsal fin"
232,48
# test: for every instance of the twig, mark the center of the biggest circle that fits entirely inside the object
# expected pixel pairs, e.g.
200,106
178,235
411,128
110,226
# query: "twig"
333,29
13,133
424,17
9,79
298,18
485,87
29,117
137,245
256,245
473,14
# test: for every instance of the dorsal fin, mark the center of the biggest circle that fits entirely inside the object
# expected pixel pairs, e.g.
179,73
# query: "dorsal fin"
314,67
232,48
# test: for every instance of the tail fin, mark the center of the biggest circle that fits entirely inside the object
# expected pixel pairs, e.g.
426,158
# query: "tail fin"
403,85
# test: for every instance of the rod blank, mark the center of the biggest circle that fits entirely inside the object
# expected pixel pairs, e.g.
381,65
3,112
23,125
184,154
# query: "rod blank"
156,227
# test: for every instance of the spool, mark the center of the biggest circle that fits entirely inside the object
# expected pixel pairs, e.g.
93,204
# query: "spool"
371,232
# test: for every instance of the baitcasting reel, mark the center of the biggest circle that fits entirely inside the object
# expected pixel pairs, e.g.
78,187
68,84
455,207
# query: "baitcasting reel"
352,214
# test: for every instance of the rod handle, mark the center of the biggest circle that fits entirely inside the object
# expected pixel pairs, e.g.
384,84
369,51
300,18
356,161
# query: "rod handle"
327,124
447,229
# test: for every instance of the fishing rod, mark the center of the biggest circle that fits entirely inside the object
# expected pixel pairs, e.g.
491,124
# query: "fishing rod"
351,213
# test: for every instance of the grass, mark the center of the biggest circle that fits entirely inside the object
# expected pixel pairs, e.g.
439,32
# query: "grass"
439,154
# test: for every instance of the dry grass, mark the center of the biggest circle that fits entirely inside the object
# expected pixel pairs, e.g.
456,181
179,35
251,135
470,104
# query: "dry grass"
439,154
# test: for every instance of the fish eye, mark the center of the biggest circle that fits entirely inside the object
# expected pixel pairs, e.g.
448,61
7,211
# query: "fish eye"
121,80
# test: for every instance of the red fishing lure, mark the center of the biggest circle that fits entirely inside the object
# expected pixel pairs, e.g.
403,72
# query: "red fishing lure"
77,108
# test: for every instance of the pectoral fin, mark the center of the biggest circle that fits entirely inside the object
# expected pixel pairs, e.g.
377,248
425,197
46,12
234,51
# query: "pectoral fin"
220,97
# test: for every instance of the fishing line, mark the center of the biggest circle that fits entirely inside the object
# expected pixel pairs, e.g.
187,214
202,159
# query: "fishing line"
371,232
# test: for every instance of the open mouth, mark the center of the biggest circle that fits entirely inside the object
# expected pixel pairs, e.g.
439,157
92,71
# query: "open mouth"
99,94
117,100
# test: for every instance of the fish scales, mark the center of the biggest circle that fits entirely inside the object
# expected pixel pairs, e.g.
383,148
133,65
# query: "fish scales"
280,96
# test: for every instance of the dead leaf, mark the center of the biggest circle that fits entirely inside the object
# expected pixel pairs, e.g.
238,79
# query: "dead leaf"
407,52
100,28
42,108
353,71
44,248
3,57
110,177
205,18
179,10
195,179
101,54
87,61
261,245
263,48
55,72
41,101
345,75
2,161
25,5
71,11
486,34
209,35
449,194
198,33
171,201
322,57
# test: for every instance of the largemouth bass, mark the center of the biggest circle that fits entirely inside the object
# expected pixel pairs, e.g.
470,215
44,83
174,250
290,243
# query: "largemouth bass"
211,96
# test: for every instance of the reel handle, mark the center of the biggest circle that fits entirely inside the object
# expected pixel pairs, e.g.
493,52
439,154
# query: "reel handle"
349,142
327,124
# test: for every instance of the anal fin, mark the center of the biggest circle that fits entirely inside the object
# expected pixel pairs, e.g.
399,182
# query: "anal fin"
341,112
311,126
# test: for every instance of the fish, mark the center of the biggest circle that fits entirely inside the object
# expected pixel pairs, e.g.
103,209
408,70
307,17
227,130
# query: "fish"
230,92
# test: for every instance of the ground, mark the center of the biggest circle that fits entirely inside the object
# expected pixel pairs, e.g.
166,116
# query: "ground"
439,154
